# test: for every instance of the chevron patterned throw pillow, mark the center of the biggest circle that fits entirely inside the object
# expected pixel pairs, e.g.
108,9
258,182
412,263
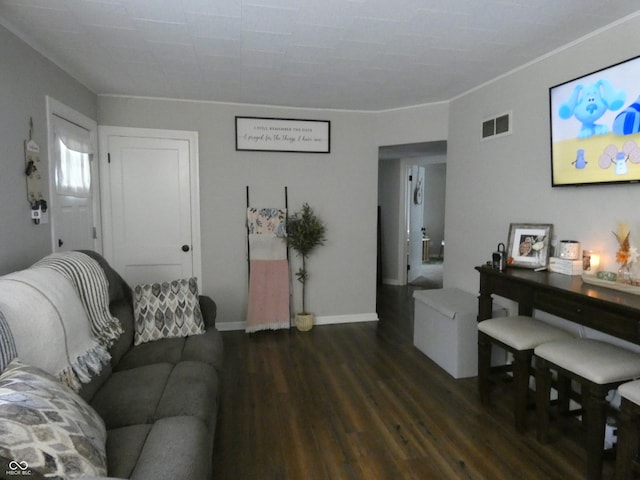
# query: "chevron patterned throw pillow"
167,310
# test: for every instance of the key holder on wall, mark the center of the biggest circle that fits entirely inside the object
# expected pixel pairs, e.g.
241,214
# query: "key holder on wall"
35,182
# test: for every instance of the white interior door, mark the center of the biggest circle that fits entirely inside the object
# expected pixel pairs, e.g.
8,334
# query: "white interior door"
153,219
415,220
74,209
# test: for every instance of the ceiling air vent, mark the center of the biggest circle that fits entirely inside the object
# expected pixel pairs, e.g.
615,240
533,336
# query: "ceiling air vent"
497,126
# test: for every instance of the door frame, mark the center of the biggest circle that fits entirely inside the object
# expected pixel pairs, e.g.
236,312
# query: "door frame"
54,108
104,132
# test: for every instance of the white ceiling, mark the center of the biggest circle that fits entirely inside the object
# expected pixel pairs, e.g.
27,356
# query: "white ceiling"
339,54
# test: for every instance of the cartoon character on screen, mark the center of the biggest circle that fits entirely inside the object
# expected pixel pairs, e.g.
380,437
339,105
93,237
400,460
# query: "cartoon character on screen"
588,103
580,162
627,122
611,156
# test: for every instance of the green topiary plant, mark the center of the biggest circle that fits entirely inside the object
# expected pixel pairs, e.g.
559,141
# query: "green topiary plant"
305,231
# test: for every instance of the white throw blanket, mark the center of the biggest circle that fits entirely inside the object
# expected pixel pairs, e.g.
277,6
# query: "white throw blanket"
49,325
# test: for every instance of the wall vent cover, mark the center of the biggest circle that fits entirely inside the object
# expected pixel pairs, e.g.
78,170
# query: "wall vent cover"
497,126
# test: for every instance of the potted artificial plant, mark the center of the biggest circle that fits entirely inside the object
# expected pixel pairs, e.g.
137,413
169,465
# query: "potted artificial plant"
305,231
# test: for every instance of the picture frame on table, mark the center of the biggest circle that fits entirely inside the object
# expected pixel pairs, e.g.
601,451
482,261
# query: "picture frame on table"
529,245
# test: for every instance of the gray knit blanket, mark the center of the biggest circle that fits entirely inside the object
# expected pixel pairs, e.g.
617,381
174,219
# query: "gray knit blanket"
92,286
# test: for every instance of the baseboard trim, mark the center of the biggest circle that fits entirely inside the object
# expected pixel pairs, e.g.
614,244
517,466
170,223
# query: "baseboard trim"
354,318
320,320
231,326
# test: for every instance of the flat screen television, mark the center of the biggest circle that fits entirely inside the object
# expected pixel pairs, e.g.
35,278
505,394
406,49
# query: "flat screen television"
595,127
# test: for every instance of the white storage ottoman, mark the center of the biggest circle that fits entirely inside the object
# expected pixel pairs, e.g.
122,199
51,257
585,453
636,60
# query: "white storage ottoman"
445,329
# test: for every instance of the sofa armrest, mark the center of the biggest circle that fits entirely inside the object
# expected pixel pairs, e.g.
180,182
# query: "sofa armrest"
209,310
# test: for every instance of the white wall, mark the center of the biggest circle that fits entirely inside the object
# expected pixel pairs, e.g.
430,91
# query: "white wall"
493,183
25,79
422,123
340,186
390,177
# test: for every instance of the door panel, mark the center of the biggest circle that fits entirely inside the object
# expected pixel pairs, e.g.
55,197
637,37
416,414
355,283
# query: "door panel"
415,222
74,213
151,218
73,223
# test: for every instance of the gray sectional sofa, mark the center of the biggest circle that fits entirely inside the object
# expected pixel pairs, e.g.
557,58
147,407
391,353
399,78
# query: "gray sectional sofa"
159,400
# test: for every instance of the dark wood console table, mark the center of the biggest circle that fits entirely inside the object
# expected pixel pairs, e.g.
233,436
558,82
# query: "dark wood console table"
604,309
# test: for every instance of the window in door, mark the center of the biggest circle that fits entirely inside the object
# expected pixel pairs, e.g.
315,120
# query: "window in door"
72,170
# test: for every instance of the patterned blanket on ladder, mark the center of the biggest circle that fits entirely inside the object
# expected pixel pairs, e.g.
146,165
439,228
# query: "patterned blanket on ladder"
268,307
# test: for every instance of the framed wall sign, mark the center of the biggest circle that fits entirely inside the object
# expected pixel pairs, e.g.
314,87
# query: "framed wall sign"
282,135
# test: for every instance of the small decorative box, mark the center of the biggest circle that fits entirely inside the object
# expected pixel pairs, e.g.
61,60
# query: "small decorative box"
565,266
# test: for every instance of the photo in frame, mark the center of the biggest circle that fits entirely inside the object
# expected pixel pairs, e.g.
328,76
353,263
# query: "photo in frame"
529,245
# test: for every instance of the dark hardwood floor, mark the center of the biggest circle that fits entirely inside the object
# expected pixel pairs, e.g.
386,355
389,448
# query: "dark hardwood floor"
358,401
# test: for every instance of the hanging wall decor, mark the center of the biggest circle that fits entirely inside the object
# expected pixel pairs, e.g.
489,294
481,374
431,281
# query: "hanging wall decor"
35,180
282,135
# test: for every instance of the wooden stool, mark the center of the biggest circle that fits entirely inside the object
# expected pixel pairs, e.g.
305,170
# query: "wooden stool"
518,335
598,367
627,461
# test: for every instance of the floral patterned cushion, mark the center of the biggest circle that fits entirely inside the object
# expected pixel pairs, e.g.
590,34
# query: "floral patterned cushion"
47,426
166,310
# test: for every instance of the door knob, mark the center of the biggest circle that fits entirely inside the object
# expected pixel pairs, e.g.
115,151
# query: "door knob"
60,242
186,248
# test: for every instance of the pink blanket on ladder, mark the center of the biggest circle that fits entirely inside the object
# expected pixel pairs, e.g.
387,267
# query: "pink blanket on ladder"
268,295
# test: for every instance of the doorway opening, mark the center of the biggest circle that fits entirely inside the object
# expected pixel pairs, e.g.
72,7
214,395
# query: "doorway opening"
411,199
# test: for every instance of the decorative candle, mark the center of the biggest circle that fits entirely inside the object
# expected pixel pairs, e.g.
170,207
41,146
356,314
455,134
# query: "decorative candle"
590,261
